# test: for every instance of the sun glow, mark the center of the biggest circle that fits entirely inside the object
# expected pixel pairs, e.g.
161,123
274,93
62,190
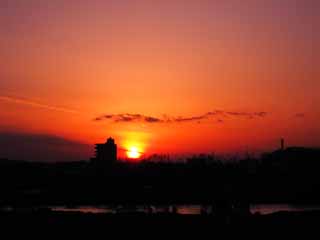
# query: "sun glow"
133,153
134,145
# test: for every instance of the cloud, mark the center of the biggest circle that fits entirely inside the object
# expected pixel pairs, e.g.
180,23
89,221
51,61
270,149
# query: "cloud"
134,117
32,103
129,117
247,114
153,120
190,119
41,147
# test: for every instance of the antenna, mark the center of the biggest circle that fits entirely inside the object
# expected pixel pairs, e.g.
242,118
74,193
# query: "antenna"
282,144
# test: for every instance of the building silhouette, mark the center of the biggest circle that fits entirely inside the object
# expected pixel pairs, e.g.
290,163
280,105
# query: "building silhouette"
105,154
292,159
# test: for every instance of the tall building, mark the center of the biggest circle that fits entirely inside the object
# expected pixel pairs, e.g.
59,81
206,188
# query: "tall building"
105,154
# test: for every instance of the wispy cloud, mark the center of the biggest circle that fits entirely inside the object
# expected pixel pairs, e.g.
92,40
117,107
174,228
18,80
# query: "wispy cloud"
28,102
219,114
247,114
129,117
190,119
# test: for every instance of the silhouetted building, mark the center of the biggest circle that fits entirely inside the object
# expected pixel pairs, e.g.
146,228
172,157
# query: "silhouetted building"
293,159
105,154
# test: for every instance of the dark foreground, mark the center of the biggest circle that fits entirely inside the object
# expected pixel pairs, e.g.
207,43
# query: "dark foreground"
166,225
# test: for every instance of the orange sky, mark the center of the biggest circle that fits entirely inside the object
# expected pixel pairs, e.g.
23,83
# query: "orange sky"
65,63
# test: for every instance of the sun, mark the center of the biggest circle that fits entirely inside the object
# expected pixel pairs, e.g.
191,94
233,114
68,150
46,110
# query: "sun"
133,153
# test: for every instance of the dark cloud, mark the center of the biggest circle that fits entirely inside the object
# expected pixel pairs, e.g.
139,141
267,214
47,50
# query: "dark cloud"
153,120
125,118
190,119
41,147
261,114
103,117
247,114
130,117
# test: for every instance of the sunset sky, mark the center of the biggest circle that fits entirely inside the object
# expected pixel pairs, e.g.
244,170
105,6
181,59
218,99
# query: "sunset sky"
169,76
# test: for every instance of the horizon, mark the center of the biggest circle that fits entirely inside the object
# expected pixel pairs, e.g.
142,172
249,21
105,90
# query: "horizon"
169,77
142,157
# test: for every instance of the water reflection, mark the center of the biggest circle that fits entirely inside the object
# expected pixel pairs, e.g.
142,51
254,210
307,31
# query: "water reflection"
179,209
166,209
83,209
272,208
185,209
189,209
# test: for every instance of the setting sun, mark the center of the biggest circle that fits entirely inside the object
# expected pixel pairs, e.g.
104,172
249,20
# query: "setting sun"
172,77
133,153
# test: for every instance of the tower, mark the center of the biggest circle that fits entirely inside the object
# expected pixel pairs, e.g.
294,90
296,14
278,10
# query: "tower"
105,154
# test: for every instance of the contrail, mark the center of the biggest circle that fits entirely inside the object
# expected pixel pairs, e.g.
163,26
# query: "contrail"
36,104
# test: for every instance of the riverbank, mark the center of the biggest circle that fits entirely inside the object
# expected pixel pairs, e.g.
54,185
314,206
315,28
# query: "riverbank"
159,223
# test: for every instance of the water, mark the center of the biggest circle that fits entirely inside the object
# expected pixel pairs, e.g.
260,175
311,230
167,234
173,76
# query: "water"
187,209
179,209
83,209
272,208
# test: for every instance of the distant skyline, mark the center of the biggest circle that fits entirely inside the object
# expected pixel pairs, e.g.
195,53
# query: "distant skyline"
169,76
